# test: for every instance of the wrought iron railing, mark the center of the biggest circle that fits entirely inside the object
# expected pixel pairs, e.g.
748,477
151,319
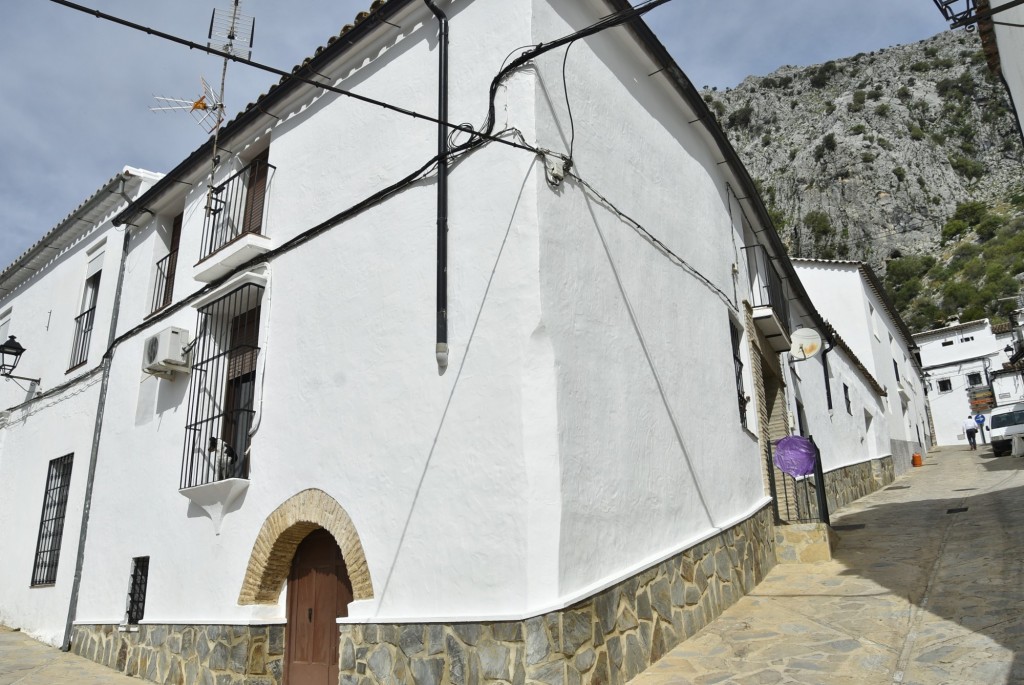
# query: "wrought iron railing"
235,207
83,334
766,284
163,287
222,389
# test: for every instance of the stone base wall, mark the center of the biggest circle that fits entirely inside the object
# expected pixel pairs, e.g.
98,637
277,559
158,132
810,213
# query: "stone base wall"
850,483
604,640
902,451
187,655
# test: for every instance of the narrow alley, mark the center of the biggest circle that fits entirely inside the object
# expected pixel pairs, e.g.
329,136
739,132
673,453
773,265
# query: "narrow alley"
926,587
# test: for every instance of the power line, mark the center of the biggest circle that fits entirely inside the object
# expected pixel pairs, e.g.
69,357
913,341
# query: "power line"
274,70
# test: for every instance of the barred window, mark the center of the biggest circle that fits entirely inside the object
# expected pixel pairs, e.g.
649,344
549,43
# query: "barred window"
137,590
220,407
737,361
51,524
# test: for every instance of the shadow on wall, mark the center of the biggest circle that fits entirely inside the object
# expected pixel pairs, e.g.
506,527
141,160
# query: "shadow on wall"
977,584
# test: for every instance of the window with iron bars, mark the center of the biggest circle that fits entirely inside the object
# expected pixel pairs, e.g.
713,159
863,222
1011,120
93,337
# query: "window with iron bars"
222,389
163,282
737,361
137,590
235,207
51,521
84,321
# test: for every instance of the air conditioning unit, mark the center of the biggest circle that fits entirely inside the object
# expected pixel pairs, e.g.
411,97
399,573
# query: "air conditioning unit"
165,352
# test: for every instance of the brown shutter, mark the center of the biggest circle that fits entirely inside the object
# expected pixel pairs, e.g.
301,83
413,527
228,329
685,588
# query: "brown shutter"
245,330
255,194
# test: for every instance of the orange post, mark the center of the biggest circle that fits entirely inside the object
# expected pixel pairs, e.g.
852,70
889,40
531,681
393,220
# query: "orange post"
916,459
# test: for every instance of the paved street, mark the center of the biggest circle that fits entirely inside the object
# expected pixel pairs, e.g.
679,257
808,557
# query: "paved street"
921,594
23,661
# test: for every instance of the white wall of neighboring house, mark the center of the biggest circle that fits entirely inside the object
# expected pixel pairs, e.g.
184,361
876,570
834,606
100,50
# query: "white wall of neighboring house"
957,358
845,436
40,312
1008,387
846,298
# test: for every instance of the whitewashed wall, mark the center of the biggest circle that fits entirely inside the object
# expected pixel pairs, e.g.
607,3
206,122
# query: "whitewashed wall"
59,422
951,354
498,489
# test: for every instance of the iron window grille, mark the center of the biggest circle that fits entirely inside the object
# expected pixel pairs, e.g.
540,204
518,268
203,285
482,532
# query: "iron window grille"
235,207
846,398
945,385
220,406
737,361
973,379
84,322
163,285
137,590
51,521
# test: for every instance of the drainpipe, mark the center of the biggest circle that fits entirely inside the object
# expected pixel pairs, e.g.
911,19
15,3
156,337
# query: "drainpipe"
101,404
824,367
441,350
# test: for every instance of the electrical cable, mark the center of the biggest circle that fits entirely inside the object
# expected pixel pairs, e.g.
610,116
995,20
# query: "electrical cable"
568,105
273,70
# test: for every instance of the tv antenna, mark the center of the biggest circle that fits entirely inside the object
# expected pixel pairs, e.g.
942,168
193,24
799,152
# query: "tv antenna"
230,32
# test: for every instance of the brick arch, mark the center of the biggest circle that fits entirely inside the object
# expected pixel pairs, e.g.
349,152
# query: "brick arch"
284,529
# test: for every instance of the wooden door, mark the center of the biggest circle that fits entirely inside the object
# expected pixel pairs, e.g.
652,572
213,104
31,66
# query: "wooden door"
319,591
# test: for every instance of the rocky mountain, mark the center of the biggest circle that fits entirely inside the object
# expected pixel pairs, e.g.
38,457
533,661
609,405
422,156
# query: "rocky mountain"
868,157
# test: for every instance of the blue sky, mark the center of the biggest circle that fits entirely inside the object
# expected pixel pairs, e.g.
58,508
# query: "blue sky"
76,90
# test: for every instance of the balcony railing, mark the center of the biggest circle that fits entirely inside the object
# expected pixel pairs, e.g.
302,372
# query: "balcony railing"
967,13
767,287
163,288
235,207
83,333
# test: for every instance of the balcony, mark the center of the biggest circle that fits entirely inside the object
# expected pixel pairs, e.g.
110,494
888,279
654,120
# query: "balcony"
768,298
233,231
83,334
163,288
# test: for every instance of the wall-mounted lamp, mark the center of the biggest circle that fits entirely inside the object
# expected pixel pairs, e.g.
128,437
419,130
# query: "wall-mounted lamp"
10,354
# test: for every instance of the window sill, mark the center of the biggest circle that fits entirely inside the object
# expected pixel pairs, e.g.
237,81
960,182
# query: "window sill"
128,628
41,585
76,367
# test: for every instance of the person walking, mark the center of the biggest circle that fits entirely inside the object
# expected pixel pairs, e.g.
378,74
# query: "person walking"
970,430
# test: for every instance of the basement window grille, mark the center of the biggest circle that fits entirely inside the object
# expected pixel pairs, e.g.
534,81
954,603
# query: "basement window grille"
137,590
51,521
221,394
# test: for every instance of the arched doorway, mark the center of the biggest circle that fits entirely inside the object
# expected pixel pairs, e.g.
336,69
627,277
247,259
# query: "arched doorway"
319,591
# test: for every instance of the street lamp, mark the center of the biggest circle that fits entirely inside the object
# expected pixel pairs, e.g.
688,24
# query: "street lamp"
10,354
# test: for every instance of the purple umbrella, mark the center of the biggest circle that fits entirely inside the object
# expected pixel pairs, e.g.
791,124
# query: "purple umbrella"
795,455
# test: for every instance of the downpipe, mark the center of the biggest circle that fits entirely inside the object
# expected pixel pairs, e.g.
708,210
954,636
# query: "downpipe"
441,348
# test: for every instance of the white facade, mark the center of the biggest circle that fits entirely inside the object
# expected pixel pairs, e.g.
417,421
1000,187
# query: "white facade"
958,359
851,298
48,297
565,448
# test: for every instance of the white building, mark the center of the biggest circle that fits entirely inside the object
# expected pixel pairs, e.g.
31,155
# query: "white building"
59,298
503,418
964,367
851,297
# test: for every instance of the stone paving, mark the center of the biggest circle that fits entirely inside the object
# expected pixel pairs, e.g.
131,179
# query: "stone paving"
24,661
922,594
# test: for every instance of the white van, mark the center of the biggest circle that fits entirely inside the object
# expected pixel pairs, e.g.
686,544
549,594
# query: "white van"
1004,423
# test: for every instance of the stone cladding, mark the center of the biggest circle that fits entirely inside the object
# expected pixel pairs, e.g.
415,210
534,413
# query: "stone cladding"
850,483
187,655
604,640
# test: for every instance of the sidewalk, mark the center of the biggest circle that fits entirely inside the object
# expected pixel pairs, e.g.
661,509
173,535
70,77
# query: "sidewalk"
24,661
926,588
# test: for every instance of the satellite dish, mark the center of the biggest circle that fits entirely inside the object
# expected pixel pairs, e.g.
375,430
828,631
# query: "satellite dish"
806,343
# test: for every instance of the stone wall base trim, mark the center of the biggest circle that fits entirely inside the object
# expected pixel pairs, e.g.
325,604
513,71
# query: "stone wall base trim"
606,639
183,654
